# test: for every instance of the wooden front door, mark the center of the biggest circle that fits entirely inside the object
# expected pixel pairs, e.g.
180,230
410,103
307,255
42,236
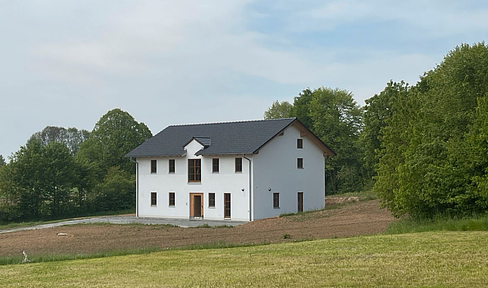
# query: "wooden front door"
300,201
196,205
226,205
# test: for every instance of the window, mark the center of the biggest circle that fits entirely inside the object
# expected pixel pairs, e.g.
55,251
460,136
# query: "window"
299,143
276,200
227,205
300,202
154,165
300,163
171,198
238,164
171,165
211,199
194,170
215,165
154,198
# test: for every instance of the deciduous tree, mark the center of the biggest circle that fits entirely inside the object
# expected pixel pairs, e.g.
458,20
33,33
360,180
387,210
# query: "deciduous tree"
114,135
278,110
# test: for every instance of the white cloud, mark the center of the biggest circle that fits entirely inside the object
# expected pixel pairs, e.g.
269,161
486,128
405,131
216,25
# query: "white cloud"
427,18
67,62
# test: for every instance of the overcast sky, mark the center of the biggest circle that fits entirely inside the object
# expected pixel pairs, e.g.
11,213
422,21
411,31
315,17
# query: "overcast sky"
66,63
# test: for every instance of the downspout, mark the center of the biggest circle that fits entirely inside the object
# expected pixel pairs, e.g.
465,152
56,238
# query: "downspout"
250,187
137,186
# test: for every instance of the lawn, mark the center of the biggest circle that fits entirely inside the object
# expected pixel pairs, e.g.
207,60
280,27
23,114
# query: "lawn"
430,259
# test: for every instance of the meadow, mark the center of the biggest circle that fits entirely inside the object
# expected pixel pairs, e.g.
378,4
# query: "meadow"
428,259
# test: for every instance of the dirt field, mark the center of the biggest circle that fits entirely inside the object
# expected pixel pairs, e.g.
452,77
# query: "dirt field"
363,218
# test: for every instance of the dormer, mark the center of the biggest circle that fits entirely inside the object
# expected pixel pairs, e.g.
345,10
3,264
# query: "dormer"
197,144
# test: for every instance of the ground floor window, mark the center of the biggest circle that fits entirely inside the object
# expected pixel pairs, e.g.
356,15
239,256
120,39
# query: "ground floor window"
154,198
171,198
227,205
276,200
300,202
211,200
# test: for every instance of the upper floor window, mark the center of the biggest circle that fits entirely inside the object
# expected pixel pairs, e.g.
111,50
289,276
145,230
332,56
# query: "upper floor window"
299,143
194,170
154,198
238,164
154,165
171,165
215,165
300,163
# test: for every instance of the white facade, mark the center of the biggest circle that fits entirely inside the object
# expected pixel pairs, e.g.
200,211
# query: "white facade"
273,170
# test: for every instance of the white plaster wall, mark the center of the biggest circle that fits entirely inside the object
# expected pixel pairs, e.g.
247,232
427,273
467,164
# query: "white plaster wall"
163,182
275,167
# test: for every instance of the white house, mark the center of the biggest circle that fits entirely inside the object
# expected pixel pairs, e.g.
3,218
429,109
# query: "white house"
232,170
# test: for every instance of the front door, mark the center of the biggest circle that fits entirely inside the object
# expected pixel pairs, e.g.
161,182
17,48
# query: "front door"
226,205
196,205
300,201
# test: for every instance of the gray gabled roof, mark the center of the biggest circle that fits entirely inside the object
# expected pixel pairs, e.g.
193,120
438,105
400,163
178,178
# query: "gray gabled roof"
223,138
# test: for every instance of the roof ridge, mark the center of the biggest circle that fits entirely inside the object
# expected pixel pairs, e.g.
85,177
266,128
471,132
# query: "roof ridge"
231,122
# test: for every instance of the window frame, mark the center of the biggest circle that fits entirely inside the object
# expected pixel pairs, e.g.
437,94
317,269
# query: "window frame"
215,164
154,199
171,199
276,200
300,143
300,163
171,166
211,200
238,166
154,166
194,170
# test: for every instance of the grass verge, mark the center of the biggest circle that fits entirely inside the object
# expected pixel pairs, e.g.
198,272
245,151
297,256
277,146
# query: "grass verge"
122,252
433,259
478,223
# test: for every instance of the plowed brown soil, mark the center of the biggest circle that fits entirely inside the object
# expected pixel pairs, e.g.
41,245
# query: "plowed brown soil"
363,218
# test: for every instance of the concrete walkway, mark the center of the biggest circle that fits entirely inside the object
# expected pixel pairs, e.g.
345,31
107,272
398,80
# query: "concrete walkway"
185,223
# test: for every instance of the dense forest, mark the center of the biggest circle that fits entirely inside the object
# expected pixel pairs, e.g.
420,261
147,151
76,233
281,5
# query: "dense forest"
422,149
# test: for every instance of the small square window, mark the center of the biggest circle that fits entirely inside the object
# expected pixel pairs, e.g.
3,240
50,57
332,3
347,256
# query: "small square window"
215,165
154,165
154,198
276,200
299,143
211,199
171,198
171,165
300,163
238,164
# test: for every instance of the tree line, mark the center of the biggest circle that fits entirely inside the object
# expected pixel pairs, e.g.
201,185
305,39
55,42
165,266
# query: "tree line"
63,172
423,149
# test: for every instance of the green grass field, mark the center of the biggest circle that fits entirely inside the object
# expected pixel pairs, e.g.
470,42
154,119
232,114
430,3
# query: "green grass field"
430,259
